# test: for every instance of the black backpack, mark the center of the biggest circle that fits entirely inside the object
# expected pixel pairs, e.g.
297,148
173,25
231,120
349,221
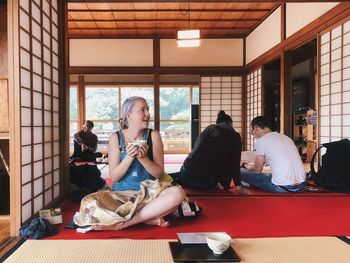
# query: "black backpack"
334,174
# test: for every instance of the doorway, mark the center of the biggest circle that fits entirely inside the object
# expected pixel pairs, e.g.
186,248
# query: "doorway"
272,80
303,72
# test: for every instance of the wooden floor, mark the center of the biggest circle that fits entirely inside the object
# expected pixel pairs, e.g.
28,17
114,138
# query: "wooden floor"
4,229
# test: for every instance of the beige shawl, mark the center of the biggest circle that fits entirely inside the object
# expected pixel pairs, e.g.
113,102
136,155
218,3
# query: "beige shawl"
107,208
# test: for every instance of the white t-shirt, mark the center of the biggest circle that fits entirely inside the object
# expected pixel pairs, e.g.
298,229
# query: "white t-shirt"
282,156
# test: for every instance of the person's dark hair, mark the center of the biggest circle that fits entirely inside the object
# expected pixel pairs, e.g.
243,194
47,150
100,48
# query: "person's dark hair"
223,117
89,124
260,121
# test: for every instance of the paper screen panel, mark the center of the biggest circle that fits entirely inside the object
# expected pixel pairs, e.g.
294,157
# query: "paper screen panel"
221,93
39,84
253,104
335,84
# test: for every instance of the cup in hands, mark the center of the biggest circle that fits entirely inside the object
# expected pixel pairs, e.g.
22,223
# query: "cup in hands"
138,143
218,242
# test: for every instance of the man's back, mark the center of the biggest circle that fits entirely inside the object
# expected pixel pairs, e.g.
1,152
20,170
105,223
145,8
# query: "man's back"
283,157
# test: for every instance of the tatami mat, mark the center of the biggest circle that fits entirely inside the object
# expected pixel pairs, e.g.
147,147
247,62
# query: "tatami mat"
294,249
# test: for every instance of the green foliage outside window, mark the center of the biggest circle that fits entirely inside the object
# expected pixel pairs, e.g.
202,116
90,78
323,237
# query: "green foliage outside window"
101,103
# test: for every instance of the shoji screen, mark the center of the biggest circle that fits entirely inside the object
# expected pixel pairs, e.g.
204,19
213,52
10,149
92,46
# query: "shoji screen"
253,102
39,104
335,84
221,93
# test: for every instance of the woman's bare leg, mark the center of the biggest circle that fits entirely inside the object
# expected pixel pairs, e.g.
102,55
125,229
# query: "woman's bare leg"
153,212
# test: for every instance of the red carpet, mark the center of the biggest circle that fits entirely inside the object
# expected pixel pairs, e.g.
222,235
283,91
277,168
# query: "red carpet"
253,192
240,217
257,192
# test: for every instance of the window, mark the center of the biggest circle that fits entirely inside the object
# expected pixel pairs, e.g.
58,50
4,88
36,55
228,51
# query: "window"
195,95
102,107
73,113
175,120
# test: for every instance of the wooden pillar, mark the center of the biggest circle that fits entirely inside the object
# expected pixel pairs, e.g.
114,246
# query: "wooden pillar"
286,93
81,101
65,94
156,78
14,116
286,81
244,111
244,97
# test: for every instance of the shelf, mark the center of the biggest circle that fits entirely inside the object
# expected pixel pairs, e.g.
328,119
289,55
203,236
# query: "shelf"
4,217
305,126
4,136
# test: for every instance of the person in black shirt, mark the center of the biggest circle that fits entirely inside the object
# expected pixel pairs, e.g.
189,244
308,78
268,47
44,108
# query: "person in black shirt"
87,178
215,158
85,144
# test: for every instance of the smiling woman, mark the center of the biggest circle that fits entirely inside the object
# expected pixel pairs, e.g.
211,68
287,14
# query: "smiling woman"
132,169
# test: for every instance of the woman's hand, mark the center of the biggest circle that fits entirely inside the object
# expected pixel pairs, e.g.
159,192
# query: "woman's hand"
142,151
131,150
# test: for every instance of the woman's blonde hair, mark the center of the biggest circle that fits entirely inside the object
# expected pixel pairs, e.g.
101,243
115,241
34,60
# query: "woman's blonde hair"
128,106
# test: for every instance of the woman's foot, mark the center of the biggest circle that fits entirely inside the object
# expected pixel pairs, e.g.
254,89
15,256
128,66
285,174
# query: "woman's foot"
158,222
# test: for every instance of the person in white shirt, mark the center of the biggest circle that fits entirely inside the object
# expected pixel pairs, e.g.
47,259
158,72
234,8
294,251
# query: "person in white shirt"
279,152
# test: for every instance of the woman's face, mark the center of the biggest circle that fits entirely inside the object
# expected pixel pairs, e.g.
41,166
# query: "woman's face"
139,116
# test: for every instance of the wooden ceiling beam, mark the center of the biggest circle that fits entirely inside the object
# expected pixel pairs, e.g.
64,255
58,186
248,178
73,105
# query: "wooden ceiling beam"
165,20
194,1
166,10
159,28
146,36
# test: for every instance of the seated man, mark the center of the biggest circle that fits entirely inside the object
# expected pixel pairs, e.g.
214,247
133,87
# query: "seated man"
215,158
279,152
85,144
86,177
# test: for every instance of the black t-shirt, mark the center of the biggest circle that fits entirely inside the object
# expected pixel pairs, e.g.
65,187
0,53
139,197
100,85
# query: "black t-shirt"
217,157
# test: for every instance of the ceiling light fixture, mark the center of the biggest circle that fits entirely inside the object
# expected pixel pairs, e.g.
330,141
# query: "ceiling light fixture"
188,37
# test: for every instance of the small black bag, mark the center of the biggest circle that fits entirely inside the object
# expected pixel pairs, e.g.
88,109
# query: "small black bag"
37,228
334,174
187,209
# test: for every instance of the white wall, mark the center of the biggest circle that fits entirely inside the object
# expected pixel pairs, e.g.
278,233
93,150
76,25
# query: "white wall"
264,37
139,52
212,52
111,52
299,15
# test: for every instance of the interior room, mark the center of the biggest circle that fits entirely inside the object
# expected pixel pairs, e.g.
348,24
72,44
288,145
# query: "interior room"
65,62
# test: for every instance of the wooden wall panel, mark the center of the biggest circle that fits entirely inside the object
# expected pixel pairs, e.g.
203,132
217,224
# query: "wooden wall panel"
4,107
3,41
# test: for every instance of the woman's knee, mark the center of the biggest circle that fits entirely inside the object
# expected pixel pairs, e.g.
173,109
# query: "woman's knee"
177,194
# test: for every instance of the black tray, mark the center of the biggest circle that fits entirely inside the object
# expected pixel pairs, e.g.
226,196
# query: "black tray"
200,252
